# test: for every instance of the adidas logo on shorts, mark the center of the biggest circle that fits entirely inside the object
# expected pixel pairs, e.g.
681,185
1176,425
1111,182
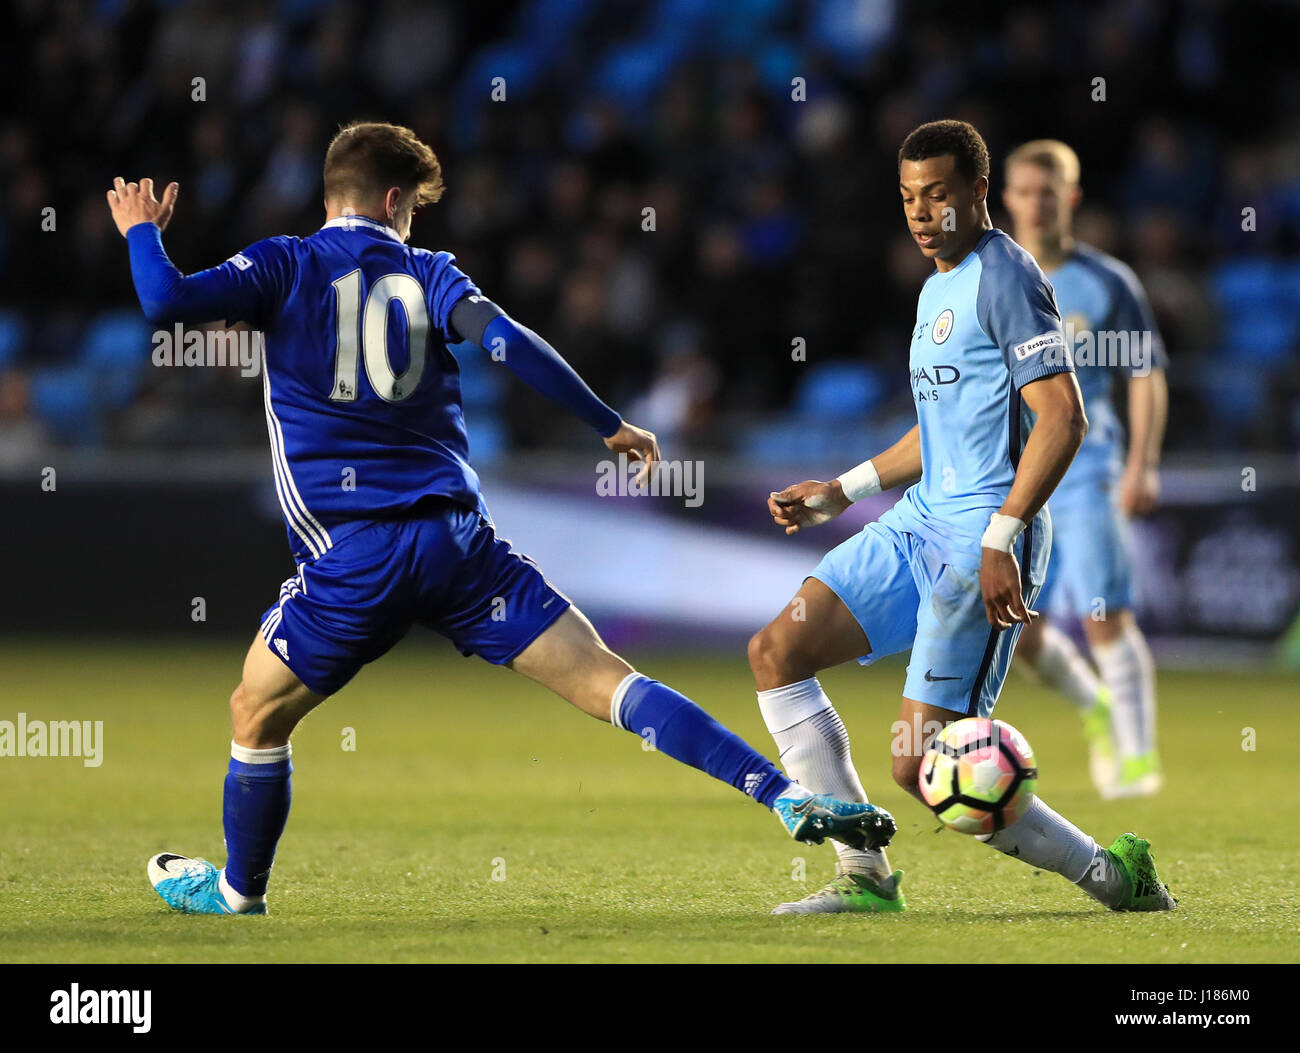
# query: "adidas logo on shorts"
282,645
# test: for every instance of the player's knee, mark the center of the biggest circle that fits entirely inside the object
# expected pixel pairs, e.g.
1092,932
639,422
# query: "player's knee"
259,721
775,659
1107,629
907,773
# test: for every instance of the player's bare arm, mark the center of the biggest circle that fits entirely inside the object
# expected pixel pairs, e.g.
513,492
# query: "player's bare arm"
812,503
1148,409
1055,439
133,203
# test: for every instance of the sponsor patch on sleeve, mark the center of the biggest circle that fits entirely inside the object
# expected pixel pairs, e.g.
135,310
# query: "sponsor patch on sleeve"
1035,344
241,261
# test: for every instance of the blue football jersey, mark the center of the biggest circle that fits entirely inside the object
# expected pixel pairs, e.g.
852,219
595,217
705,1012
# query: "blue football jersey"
363,403
1112,331
983,330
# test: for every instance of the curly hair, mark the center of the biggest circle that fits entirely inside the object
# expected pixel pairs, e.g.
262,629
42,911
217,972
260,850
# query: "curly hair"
942,138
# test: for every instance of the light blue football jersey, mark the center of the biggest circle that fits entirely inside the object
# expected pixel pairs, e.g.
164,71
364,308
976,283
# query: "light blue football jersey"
983,331
1112,331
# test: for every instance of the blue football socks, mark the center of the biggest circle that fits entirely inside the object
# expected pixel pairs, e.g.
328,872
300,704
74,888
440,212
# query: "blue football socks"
671,723
257,796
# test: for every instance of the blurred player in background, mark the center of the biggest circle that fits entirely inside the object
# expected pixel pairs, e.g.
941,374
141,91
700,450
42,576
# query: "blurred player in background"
952,570
1090,577
383,511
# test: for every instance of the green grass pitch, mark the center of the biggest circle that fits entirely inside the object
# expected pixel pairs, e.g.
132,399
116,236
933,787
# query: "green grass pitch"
463,772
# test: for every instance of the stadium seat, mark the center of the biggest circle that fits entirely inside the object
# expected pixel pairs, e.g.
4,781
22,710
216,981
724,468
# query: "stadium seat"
482,383
116,350
13,334
839,391
1246,285
65,399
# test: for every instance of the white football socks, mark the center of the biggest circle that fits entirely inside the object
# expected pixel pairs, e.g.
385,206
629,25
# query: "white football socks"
813,745
1129,671
1062,667
1046,840
238,903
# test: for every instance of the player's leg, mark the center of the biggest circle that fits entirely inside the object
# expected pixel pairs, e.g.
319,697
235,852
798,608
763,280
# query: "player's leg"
1060,664
1075,582
500,606
817,630
340,611
1041,838
1129,671
570,659
953,635
267,705
265,708
1102,596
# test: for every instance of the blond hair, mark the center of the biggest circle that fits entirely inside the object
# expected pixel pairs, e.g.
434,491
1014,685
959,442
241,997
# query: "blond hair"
1051,154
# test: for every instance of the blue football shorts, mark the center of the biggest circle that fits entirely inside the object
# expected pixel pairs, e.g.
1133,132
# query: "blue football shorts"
442,566
904,594
1091,570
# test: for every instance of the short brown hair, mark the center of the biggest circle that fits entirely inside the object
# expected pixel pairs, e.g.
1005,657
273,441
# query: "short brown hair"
1051,154
940,138
366,158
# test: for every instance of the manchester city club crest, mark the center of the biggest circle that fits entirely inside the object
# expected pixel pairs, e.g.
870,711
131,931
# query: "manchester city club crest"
942,327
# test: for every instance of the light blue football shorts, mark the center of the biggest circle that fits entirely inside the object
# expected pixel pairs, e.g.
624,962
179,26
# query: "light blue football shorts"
905,594
1091,569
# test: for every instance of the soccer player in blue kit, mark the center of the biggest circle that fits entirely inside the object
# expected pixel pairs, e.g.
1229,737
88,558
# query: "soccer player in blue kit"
1091,576
382,508
953,569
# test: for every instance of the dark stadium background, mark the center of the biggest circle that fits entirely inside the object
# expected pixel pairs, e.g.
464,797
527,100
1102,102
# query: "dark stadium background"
775,219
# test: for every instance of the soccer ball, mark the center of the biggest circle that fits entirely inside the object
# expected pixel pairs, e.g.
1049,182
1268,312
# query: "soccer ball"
978,775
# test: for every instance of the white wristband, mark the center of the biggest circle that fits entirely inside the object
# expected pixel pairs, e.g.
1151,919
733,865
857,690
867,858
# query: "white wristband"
1001,533
859,482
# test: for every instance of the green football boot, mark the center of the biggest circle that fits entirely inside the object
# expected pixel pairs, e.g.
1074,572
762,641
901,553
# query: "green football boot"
1132,854
851,893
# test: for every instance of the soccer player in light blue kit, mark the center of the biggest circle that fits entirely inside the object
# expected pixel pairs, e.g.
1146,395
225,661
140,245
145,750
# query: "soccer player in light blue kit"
382,508
1090,578
953,569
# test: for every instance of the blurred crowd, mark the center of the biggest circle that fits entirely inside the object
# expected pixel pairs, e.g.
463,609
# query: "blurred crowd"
764,305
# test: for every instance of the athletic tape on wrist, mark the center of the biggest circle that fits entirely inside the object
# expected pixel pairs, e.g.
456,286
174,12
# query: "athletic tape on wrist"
860,482
1001,533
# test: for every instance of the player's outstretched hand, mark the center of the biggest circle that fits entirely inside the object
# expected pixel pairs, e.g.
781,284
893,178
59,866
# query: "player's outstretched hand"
807,504
1004,602
133,203
638,443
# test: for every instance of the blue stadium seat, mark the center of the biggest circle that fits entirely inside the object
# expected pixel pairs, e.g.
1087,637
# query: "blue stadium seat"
543,21
482,381
1246,285
65,399
634,73
839,391
116,349
13,334
1265,338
